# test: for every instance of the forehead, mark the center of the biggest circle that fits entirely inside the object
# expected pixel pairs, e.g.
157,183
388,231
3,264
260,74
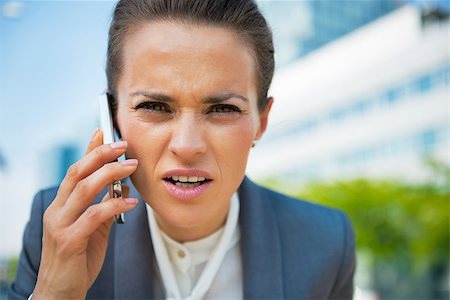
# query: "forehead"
189,54
171,35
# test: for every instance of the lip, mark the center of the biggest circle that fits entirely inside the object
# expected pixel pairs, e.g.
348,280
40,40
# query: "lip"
186,193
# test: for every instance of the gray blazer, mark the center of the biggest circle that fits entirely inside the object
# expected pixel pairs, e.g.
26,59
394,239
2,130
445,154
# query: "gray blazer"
291,249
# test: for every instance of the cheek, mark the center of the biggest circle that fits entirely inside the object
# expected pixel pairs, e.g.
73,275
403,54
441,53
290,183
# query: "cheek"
243,135
139,135
232,144
144,143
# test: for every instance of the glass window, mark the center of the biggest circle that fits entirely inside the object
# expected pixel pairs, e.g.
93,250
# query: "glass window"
428,140
392,96
424,83
438,77
337,114
362,106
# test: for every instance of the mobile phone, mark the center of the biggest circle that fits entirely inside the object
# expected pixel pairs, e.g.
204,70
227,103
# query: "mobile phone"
106,123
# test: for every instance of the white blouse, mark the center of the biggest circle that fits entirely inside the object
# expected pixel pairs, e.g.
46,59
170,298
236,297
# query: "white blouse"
209,268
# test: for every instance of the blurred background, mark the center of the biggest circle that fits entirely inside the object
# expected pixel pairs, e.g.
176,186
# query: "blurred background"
360,122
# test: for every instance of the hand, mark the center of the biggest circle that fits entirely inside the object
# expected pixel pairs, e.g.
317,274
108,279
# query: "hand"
75,231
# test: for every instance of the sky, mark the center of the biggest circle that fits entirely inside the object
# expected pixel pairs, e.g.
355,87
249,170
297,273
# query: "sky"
52,59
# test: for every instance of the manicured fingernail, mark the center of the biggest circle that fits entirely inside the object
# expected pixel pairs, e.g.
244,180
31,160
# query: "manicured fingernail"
130,200
119,145
129,162
95,133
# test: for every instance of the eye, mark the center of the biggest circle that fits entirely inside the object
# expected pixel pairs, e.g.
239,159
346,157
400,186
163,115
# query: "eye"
153,106
224,109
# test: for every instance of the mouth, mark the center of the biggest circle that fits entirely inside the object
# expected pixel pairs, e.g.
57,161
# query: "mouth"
185,184
186,181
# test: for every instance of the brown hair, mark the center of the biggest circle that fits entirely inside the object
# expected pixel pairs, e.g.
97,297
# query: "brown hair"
241,16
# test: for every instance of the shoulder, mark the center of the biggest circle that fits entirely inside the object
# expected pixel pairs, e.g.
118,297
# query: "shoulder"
30,255
314,230
327,226
312,239
41,202
44,197
302,213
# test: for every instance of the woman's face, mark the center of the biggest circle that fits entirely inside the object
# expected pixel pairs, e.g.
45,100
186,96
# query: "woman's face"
187,105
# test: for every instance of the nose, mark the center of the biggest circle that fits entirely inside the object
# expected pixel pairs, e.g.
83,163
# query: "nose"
187,140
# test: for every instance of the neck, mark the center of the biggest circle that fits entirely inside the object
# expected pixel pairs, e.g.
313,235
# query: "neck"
189,234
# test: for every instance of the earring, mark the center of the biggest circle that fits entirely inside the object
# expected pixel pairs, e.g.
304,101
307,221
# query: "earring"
254,143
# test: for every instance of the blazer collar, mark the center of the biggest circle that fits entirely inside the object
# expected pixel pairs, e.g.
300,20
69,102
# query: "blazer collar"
260,244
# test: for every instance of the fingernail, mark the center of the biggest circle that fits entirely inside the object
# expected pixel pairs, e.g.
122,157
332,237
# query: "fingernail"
119,145
129,162
95,133
130,200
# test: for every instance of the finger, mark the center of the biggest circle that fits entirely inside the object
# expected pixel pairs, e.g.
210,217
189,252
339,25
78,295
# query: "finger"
88,188
88,164
100,213
125,192
96,140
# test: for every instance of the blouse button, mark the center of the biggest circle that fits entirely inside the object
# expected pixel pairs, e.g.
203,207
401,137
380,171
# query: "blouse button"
181,254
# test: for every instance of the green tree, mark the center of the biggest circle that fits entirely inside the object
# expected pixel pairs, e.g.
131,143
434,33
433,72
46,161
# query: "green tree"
12,268
403,227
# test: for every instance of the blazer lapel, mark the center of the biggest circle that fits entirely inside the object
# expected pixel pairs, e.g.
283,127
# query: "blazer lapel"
260,242
133,254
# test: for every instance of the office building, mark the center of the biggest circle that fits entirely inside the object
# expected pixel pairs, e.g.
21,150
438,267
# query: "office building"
372,103
301,27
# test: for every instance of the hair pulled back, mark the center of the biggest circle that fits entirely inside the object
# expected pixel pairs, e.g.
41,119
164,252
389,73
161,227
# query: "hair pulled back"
240,16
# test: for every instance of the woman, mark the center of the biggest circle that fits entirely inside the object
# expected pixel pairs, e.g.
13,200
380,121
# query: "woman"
189,82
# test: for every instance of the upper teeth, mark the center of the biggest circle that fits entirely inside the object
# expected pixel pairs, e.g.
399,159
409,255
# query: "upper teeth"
187,178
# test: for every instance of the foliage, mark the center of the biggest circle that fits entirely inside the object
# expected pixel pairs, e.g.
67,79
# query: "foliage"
391,217
12,268
394,221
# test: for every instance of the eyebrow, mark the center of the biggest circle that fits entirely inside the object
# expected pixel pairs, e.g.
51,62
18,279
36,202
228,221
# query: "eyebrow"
213,99
222,97
153,95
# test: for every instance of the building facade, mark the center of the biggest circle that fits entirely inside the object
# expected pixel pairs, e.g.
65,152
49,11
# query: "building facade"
300,27
372,103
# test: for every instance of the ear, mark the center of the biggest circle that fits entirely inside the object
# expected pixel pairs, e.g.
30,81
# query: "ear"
264,118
